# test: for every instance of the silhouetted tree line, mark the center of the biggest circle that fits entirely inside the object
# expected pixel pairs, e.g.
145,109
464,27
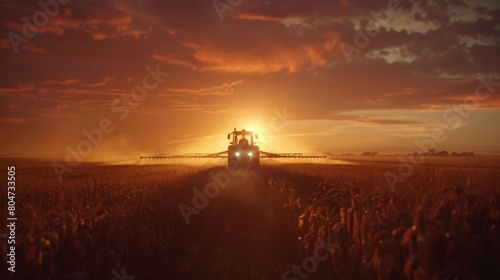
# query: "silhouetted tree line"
432,152
369,154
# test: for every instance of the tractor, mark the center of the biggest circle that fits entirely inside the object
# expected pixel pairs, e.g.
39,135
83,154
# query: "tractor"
243,150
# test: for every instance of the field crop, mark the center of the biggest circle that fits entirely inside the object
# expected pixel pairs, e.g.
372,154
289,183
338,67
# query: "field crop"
106,221
102,218
441,224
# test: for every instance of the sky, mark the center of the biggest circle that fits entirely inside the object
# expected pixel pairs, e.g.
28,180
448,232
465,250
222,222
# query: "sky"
153,77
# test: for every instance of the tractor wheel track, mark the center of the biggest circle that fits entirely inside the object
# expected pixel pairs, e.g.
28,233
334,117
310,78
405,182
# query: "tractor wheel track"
243,236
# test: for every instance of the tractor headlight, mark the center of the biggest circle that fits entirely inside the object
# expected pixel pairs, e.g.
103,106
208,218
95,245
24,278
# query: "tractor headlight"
250,154
237,154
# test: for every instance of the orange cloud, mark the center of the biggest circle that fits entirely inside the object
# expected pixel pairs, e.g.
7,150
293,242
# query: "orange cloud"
224,89
174,61
64,82
104,82
267,60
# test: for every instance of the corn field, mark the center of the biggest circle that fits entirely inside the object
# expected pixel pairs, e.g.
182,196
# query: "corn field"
105,221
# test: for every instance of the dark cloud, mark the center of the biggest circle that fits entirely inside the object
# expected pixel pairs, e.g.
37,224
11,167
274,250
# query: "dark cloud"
263,53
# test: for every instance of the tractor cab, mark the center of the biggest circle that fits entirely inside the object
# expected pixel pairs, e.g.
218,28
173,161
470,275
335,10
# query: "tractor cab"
243,149
242,137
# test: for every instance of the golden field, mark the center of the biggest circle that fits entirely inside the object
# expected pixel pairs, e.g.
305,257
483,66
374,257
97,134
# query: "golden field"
441,222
